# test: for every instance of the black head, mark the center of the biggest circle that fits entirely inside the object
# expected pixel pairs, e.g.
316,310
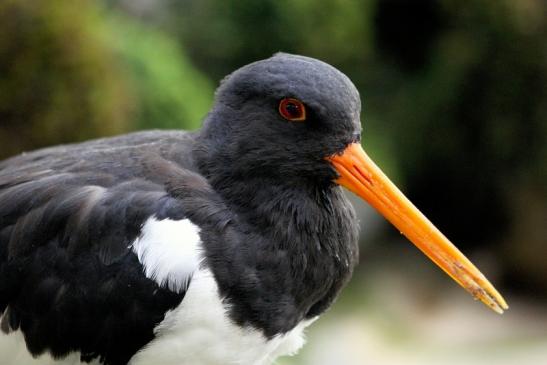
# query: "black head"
246,133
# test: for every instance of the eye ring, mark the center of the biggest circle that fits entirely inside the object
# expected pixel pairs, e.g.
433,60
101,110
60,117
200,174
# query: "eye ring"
292,109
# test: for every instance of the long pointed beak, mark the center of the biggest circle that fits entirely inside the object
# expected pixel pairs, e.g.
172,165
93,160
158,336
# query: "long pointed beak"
360,174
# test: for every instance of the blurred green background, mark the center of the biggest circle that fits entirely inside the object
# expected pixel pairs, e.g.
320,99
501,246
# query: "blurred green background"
454,110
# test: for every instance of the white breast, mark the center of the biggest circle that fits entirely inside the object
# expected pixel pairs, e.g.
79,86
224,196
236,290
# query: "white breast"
199,332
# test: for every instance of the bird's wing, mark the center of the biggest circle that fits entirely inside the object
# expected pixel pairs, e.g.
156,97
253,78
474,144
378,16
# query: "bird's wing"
78,226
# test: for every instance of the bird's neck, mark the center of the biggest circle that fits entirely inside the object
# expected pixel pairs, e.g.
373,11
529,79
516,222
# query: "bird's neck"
299,243
286,211
273,203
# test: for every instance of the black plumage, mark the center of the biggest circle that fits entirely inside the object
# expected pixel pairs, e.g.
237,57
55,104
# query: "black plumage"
278,233
68,216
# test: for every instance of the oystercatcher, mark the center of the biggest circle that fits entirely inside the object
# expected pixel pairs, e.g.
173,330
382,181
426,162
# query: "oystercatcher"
213,247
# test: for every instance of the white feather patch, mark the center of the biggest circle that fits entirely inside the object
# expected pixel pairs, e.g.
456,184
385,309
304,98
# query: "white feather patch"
169,250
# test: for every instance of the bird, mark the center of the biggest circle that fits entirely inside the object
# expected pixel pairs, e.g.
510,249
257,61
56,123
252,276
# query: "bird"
215,246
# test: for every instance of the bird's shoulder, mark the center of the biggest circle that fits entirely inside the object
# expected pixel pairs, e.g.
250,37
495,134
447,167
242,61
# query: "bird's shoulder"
119,156
94,193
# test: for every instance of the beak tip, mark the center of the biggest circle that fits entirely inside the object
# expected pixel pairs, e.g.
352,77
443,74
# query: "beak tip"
493,299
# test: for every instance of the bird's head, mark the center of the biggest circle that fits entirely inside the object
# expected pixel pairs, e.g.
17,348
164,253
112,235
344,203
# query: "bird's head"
292,119
278,119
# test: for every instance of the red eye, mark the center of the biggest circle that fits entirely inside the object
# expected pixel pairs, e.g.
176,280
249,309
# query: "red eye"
292,109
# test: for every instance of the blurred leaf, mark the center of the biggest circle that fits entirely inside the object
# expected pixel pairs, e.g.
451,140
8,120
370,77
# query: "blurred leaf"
60,81
170,92
72,71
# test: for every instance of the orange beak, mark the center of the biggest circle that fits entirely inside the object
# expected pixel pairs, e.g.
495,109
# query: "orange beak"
360,174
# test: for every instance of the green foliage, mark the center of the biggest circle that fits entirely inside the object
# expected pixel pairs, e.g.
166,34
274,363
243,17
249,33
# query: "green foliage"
224,35
490,96
60,81
72,71
169,92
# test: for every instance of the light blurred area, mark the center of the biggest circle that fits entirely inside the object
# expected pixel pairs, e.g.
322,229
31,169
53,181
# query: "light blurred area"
454,111
393,330
401,309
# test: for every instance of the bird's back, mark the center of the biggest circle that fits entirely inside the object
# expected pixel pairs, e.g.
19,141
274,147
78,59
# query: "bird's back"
68,217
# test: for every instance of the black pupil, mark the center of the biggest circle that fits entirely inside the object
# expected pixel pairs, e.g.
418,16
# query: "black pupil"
293,110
